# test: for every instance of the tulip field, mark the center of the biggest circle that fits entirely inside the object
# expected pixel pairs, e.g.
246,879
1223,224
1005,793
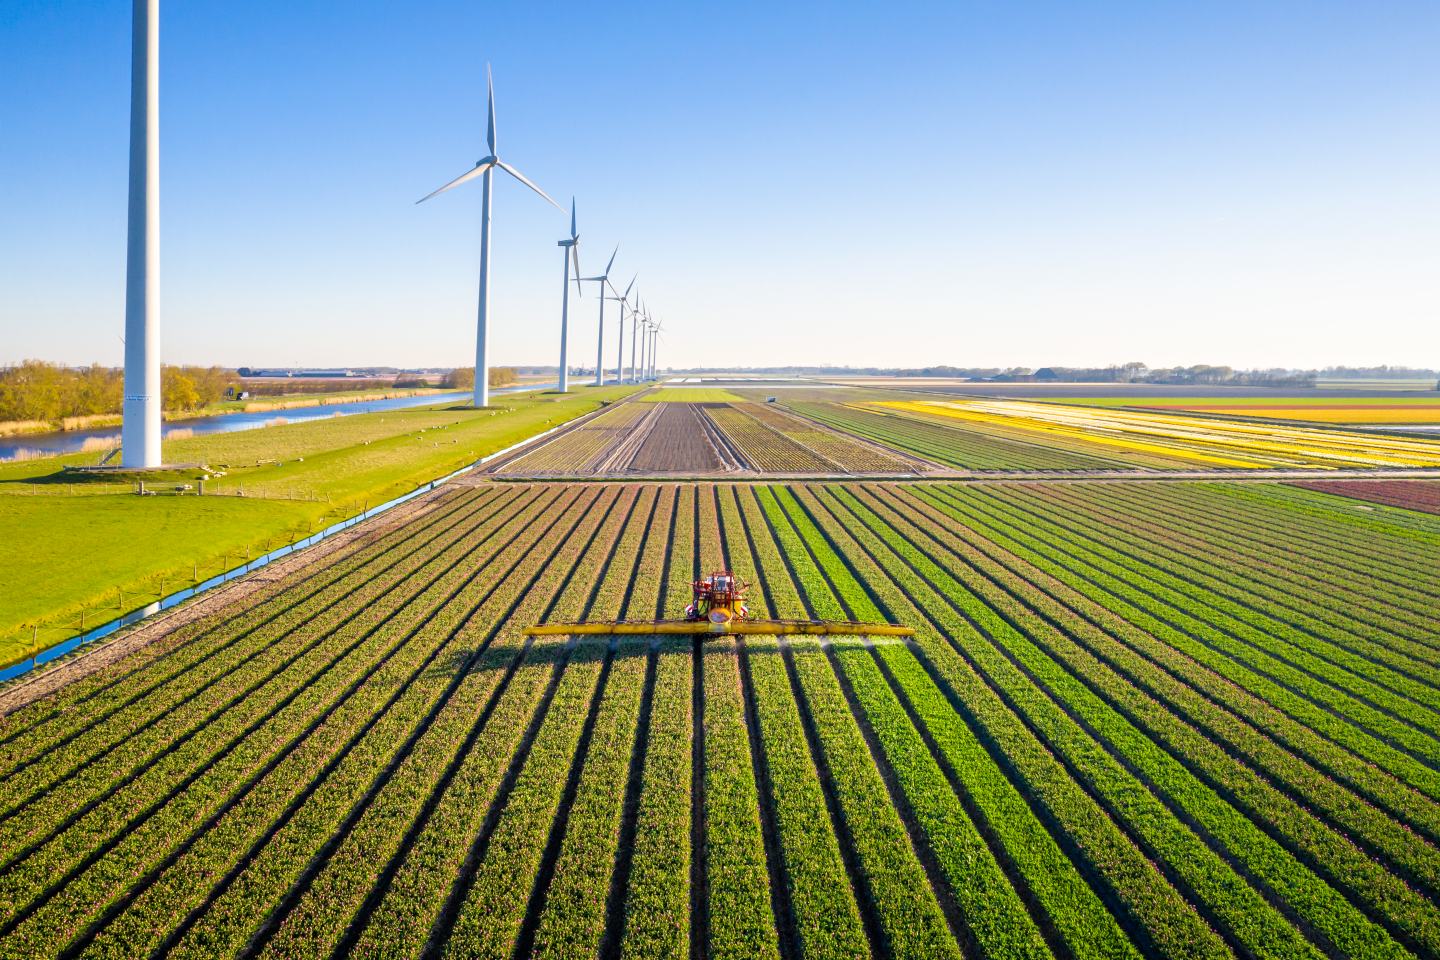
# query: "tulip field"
1158,719
1161,439
1397,410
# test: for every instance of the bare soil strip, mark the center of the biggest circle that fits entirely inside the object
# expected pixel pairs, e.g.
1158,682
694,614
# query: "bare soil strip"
617,459
727,451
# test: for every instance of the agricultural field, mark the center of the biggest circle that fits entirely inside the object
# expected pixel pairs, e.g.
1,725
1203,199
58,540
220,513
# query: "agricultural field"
692,436
1423,495
1155,439
1173,719
688,395
1377,411
963,446
777,441
629,438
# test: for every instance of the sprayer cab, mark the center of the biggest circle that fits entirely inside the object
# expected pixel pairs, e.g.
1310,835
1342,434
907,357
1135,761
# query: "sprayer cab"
718,598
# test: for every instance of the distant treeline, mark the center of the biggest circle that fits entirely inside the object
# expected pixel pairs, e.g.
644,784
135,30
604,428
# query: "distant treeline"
463,378
1378,373
290,386
1119,373
35,390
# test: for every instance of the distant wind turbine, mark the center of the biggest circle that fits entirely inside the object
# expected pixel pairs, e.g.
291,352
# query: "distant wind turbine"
604,280
644,349
571,248
624,299
484,168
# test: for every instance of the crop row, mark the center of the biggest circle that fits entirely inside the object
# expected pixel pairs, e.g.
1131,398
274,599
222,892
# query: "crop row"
768,449
1224,538
1387,569
1338,638
1228,788
1274,742
1337,608
830,445
1366,704
334,900
424,845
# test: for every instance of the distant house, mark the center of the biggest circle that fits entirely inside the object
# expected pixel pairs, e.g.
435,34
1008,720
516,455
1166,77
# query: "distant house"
1047,373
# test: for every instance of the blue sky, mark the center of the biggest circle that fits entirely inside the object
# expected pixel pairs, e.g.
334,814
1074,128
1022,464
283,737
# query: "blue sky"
899,184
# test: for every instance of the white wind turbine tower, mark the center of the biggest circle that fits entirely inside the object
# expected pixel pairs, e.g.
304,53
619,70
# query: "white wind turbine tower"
635,312
654,350
645,351
620,342
604,279
484,169
571,251
140,423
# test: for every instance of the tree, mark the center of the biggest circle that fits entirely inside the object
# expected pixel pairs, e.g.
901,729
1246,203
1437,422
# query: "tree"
178,391
461,378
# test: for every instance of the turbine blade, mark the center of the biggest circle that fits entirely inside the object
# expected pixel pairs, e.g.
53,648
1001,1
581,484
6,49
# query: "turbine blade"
573,235
575,256
521,177
612,260
632,283
490,132
468,175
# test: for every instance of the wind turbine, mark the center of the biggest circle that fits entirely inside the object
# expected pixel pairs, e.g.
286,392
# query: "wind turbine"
484,169
604,279
140,422
654,350
620,342
571,251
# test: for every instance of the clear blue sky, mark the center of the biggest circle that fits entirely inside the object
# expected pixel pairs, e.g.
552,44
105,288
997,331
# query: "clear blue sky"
971,183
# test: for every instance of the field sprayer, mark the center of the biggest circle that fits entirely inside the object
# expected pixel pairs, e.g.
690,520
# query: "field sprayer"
719,608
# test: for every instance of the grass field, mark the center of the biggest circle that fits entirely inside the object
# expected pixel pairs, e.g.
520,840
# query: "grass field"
94,547
1174,720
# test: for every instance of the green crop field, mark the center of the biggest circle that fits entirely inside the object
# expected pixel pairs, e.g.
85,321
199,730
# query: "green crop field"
93,550
1179,719
690,395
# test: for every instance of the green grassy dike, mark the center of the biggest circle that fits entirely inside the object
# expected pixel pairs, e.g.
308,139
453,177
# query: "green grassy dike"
94,547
